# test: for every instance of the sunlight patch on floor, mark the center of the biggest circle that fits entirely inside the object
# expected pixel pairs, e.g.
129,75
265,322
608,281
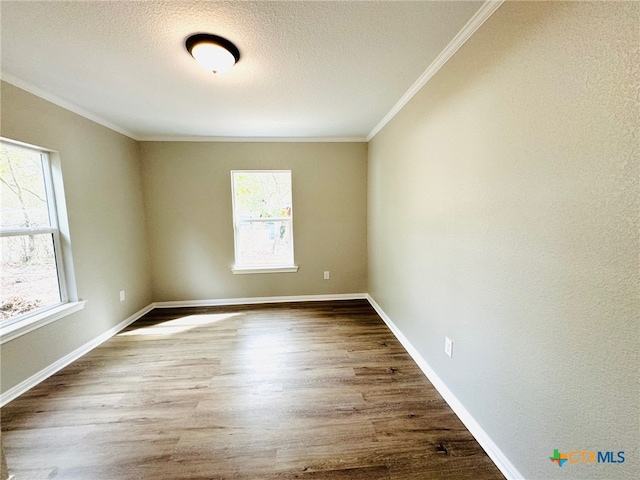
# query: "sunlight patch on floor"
179,325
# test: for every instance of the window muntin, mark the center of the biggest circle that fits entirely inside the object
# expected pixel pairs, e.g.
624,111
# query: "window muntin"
31,268
263,218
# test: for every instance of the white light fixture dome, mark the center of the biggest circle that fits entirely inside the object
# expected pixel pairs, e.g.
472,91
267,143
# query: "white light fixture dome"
215,54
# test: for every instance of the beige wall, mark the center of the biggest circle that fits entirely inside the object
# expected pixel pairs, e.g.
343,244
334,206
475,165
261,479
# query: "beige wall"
503,213
188,202
102,182
188,207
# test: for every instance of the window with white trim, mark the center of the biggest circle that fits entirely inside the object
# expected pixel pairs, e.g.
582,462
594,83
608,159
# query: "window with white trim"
32,270
263,221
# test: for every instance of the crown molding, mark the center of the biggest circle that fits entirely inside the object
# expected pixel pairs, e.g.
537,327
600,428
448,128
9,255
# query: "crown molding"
484,12
256,139
38,92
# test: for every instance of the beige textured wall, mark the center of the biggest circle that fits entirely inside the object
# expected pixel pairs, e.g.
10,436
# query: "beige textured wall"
503,212
102,182
188,207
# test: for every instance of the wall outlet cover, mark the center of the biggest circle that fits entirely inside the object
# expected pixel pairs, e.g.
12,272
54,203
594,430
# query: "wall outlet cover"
448,346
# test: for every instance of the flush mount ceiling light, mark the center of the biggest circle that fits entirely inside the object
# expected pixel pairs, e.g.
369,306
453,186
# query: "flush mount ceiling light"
215,54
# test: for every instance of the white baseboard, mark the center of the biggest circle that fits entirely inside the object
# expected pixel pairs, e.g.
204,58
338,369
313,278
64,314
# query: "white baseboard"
499,458
256,300
55,367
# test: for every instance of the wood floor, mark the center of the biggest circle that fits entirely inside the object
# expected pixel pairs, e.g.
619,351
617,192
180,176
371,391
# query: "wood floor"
318,390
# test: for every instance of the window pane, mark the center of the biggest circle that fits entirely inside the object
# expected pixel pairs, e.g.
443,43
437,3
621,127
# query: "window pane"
264,243
262,194
29,277
24,200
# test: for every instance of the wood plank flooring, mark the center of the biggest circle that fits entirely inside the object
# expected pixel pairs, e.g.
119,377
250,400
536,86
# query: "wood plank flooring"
318,390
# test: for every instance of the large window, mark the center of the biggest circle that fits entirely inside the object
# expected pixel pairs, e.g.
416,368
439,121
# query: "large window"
263,221
32,272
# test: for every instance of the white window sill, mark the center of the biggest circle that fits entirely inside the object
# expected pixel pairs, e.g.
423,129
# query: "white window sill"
242,271
30,323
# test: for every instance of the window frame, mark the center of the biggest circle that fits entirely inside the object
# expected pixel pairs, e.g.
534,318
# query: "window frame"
36,318
251,269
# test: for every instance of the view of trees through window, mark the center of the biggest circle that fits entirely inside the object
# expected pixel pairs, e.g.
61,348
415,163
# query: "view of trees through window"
263,214
29,277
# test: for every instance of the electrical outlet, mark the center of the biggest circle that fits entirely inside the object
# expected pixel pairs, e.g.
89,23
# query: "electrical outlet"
448,346
122,295
326,275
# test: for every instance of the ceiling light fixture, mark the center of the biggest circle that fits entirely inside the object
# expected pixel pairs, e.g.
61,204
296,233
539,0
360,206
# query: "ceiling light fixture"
215,54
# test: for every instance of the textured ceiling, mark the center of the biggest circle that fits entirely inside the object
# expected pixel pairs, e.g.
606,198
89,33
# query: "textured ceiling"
307,69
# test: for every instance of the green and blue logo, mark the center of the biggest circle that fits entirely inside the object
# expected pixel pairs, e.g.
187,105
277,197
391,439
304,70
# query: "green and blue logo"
586,456
559,458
